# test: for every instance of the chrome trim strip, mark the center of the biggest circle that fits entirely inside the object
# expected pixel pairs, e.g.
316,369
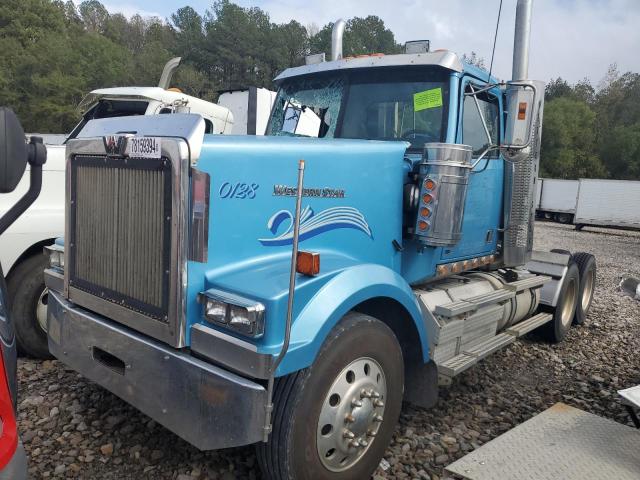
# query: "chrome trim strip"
230,352
225,337
54,279
199,216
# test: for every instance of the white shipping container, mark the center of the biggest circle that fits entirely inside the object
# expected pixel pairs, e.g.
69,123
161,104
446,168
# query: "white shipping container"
608,203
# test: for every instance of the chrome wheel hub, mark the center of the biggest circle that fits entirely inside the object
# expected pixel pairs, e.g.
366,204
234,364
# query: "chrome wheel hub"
41,309
351,414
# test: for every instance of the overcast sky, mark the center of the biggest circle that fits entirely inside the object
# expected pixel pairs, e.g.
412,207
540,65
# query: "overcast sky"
573,39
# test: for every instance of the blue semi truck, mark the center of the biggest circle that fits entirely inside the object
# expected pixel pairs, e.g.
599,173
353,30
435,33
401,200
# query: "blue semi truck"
291,292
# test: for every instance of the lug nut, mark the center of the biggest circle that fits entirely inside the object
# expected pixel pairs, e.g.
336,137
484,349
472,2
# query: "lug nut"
354,444
377,418
356,403
375,394
348,434
364,443
365,394
348,418
378,403
371,434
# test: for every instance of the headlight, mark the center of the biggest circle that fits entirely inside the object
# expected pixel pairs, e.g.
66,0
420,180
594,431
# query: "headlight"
215,311
56,256
237,313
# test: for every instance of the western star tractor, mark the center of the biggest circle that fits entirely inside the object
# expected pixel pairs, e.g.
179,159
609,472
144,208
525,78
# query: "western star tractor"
291,291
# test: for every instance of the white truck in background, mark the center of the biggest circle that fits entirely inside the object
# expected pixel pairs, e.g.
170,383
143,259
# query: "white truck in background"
584,202
21,247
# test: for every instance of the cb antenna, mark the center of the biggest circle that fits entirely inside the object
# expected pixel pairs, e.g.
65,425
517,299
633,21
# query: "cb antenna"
495,37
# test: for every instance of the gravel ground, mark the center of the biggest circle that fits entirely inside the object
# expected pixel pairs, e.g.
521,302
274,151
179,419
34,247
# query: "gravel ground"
72,428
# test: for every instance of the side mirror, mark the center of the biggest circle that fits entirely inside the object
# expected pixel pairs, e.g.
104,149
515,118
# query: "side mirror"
523,104
13,150
14,155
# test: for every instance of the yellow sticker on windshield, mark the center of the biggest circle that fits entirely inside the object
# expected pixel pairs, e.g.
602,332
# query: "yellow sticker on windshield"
427,99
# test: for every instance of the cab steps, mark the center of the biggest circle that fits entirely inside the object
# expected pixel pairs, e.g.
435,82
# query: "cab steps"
524,327
470,356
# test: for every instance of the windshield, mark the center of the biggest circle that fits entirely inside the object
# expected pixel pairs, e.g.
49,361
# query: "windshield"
400,104
107,108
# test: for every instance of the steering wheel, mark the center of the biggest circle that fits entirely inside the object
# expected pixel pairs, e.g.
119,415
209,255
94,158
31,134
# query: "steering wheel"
416,133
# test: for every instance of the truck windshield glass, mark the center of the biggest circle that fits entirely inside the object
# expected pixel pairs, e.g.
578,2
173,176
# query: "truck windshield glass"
308,107
409,104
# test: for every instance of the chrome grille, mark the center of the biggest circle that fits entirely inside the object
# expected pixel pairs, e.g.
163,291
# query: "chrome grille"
120,231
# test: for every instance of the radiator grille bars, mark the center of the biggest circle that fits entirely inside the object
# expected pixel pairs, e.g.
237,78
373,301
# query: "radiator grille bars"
121,231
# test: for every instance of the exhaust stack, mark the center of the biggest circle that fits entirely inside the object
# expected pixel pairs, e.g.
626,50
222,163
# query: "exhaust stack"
521,40
336,39
168,71
521,148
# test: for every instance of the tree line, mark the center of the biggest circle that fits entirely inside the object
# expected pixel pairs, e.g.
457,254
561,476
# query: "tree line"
592,132
53,52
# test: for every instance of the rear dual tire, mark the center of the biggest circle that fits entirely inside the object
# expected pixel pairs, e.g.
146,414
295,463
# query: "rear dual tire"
564,311
586,264
352,394
576,295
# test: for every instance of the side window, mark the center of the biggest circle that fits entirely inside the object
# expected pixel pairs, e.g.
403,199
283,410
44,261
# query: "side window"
473,132
208,126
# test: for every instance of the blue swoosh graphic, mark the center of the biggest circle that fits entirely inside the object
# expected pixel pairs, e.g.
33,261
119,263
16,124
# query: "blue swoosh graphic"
312,224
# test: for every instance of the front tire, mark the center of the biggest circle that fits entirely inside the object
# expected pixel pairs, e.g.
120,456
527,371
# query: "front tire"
28,296
334,420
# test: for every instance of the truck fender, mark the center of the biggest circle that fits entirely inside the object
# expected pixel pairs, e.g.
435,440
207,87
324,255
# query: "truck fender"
343,293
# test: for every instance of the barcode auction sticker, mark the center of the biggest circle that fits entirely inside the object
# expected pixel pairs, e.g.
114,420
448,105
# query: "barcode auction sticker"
144,147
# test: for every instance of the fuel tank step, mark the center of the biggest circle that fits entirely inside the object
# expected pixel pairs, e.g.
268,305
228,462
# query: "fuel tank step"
489,346
471,356
457,365
526,326
531,282
471,304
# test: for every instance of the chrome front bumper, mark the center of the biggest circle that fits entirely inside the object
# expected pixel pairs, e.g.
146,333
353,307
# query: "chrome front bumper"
207,406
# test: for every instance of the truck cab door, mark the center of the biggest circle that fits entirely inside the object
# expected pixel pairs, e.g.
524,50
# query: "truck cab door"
483,205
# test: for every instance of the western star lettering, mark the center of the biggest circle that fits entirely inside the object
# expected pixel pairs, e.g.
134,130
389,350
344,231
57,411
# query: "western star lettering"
287,191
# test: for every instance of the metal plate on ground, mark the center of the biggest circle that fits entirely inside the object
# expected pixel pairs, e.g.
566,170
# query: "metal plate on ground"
561,443
631,396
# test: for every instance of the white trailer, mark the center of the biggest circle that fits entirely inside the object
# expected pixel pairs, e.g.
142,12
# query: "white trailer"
608,203
557,199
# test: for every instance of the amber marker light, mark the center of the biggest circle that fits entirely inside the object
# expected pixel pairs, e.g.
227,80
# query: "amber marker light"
308,263
429,184
427,198
522,110
425,212
422,225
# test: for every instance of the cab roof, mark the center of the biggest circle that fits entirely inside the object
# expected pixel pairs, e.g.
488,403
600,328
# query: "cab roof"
440,58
